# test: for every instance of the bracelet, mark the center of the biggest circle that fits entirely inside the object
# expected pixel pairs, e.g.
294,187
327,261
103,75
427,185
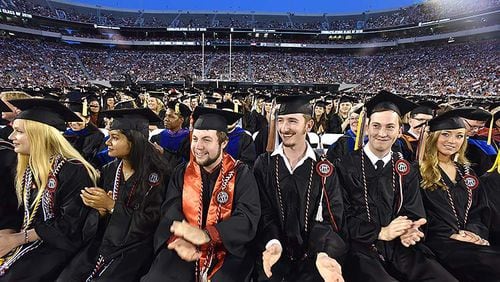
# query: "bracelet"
26,241
111,210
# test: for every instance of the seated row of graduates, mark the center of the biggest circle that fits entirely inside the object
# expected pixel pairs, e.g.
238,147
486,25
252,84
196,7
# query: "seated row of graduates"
297,217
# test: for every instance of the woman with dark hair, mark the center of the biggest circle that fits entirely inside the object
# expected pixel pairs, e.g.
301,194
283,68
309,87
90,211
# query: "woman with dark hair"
133,189
456,203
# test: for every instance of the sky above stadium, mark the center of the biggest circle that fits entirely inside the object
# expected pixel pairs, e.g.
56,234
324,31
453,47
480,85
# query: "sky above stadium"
309,6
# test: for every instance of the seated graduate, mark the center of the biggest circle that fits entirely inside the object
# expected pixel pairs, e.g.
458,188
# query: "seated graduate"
456,203
490,183
173,142
300,236
10,214
383,204
129,197
240,145
50,174
84,136
211,211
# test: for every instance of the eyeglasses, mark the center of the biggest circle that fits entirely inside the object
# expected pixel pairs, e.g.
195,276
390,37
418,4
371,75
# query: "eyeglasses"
473,128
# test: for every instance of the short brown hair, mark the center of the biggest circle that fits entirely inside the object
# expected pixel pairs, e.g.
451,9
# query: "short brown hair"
222,136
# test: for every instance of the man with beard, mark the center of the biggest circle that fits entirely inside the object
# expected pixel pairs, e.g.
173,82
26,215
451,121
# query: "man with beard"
211,211
383,204
173,142
300,235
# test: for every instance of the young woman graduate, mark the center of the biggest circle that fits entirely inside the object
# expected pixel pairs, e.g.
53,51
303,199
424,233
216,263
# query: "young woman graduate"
456,203
129,197
50,174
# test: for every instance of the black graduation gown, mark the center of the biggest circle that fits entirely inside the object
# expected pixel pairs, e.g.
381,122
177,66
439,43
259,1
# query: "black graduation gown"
174,157
241,146
88,143
62,236
491,185
11,216
5,132
126,236
320,237
343,146
467,261
480,160
371,259
335,124
255,122
236,232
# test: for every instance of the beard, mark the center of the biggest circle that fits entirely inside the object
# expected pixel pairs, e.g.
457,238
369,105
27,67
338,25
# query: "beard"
294,138
209,161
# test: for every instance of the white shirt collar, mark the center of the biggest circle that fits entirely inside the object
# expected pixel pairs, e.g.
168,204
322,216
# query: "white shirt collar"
412,133
309,154
373,158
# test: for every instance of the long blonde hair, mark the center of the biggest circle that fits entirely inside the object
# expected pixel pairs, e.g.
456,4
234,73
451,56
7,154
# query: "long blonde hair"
45,142
429,166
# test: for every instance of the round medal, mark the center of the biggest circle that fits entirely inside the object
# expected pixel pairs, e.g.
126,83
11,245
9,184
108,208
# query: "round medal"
154,179
402,167
52,183
324,168
222,197
471,181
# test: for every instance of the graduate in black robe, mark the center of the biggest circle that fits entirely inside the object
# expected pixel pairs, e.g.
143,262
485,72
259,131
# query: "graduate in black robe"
383,204
10,214
86,141
56,223
302,211
133,190
456,204
490,183
228,238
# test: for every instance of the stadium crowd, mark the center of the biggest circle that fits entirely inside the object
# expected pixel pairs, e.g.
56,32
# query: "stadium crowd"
426,11
459,68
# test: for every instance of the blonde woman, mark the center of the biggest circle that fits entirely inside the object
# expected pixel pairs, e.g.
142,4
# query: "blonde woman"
50,174
490,182
157,106
456,204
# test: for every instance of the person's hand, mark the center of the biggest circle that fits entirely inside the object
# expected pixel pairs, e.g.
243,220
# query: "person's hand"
8,242
270,256
329,268
396,228
158,147
97,198
469,237
184,249
413,235
190,233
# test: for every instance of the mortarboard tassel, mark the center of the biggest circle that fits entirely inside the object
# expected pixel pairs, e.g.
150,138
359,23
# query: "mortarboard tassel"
360,130
85,108
490,131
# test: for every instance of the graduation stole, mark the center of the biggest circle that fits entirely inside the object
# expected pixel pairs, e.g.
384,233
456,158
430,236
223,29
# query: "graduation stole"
221,204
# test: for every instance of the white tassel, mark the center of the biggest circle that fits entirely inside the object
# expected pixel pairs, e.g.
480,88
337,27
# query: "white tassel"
319,214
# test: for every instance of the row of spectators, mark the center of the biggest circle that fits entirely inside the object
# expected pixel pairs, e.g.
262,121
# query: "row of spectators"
460,68
426,11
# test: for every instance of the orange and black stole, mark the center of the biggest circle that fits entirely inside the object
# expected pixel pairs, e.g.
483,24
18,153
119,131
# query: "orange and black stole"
192,206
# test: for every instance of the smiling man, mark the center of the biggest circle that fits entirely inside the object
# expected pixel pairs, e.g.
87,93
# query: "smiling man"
383,205
211,211
300,235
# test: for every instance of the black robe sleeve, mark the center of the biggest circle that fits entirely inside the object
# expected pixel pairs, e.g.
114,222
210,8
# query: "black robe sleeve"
247,152
10,214
74,222
338,149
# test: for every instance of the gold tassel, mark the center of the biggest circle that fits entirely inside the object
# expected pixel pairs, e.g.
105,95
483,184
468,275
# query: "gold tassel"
490,132
85,108
360,131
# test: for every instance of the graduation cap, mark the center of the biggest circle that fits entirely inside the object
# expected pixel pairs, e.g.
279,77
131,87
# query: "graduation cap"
425,107
132,119
387,101
179,108
321,104
4,107
295,104
214,119
211,100
127,104
449,120
478,114
228,105
49,112
345,99
157,94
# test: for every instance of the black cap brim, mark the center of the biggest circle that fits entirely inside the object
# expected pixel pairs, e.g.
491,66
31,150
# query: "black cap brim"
214,119
179,108
449,120
132,119
295,104
385,101
49,112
